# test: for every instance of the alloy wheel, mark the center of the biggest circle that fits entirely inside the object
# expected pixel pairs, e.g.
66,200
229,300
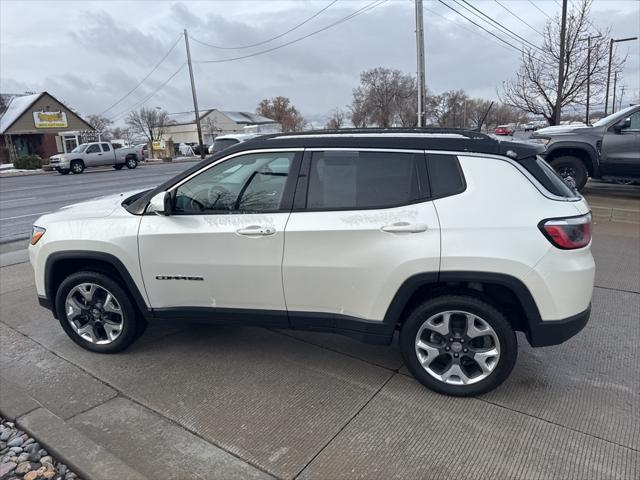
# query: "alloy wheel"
457,347
566,172
94,313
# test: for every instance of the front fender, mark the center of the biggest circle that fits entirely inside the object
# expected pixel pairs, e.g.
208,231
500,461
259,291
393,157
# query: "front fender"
556,149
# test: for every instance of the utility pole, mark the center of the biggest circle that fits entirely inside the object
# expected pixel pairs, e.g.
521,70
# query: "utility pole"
611,42
621,95
588,39
193,92
615,86
420,69
563,34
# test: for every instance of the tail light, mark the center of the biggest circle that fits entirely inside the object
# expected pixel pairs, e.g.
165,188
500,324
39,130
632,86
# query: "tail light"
568,233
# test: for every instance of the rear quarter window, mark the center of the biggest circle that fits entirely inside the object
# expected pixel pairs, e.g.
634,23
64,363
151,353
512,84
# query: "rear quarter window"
445,175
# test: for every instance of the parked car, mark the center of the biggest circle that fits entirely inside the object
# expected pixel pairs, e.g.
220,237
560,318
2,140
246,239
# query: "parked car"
196,148
96,154
225,141
363,232
504,130
144,147
608,150
530,126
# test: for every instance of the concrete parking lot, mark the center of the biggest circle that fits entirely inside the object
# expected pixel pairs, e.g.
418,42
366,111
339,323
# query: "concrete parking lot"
195,401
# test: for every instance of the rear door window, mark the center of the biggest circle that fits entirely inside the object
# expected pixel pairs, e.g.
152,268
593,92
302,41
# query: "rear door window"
105,147
355,180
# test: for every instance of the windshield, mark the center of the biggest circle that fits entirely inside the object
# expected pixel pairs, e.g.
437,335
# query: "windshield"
80,148
614,116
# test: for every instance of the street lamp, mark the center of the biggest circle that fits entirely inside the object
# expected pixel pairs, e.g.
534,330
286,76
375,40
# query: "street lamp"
611,42
588,39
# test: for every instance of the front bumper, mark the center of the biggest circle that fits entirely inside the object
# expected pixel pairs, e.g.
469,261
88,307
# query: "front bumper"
554,332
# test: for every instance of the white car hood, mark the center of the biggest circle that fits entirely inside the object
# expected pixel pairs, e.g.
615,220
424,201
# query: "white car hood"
94,208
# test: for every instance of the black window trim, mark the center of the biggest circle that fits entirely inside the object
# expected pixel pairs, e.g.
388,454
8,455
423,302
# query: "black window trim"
287,195
302,189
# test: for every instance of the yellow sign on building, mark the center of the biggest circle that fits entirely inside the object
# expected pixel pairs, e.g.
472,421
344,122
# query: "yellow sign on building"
50,119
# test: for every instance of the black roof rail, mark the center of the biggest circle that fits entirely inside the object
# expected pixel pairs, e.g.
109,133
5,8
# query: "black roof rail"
473,134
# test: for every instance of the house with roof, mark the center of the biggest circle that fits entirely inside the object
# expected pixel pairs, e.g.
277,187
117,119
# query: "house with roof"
38,124
217,122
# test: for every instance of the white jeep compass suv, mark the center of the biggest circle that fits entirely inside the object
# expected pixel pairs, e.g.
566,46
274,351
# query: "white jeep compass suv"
454,238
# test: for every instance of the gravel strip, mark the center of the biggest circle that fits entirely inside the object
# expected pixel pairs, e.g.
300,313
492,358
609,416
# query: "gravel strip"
22,457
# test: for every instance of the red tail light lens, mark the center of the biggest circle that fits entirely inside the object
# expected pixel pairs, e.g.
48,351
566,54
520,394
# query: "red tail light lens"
568,233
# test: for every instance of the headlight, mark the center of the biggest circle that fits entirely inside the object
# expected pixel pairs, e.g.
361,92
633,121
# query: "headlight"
543,141
36,234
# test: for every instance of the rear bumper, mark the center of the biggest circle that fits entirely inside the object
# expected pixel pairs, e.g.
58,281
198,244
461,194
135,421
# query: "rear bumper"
554,332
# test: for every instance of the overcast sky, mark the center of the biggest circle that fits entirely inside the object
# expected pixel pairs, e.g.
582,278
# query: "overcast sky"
90,54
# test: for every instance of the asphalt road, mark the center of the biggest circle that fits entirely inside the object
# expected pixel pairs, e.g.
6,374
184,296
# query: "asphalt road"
24,198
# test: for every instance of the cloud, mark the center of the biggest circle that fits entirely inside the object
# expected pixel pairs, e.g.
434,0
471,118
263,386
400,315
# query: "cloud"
91,54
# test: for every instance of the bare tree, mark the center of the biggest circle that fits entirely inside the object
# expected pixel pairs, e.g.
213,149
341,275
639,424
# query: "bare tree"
358,110
535,87
282,111
101,124
151,123
336,120
211,127
448,109
382,94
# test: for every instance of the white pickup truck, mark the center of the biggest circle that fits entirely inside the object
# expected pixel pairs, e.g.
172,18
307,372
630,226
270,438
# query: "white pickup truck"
96,154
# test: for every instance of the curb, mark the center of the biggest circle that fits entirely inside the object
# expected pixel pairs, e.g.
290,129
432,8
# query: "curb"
81,454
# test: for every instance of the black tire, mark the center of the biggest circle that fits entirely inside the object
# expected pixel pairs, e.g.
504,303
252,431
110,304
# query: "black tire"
131,163
567,165
63,171
132,325
467,303
119,166
77,167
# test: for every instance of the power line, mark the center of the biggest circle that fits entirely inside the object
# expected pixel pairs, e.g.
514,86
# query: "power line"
481,27
369,6
519,18
465,28
147,76
511,33
268,40
124,113
540,10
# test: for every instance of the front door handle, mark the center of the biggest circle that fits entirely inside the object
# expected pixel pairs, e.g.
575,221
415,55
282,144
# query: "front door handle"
405,227
256,231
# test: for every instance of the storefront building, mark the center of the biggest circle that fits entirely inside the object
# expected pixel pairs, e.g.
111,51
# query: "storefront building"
39,124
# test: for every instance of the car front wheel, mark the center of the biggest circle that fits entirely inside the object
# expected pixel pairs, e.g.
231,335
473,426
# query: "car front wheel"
458,345
77,166
96,313
568,166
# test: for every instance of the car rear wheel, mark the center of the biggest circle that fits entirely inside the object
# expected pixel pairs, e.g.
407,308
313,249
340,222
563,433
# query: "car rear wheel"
96,313
458,345
77,166
131,163
568,166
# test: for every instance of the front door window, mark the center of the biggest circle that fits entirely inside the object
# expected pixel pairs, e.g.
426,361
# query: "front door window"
245,184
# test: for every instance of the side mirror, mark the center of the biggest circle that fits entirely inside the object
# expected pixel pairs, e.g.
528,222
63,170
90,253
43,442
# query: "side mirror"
626,123
161,204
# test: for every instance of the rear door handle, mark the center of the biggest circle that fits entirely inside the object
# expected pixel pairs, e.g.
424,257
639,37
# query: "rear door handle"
405,227
256,231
